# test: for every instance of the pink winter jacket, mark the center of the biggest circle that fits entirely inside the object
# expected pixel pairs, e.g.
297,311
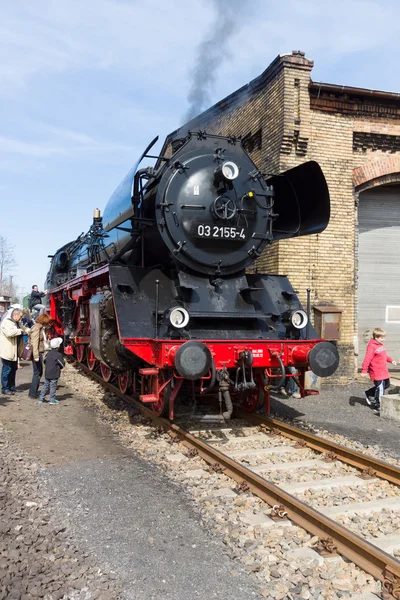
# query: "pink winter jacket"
375,361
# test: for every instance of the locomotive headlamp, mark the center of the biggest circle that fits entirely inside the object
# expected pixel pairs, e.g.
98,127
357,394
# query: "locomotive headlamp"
179,317
230,170
299,319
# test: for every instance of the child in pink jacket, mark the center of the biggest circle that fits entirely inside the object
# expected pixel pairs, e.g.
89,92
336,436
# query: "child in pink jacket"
375,366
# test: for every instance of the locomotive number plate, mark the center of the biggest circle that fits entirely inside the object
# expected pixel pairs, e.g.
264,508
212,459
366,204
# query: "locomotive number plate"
216,232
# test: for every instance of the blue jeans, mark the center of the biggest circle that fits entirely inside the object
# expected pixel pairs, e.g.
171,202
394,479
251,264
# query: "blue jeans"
8,374
49,384
292,387
39,307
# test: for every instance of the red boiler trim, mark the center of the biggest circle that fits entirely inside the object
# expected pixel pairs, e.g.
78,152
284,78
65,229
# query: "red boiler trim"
161,353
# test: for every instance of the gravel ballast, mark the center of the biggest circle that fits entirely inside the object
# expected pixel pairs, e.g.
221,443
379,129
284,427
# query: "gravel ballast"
154,522
84,518
38,555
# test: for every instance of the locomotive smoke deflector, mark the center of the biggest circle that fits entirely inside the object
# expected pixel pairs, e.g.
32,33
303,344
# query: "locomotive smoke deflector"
301,201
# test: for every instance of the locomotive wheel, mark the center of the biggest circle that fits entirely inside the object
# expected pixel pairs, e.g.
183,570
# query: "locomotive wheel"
124,381
106,372
253,400
80,353
91,359
161,408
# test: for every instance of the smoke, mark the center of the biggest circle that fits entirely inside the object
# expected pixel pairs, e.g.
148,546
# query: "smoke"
210,54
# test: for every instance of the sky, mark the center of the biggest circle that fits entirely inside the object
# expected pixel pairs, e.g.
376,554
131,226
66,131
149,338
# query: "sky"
85,85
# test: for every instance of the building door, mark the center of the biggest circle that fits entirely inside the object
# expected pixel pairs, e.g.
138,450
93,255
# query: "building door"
379,267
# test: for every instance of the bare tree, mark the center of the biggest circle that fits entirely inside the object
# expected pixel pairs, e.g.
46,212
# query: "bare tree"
7,262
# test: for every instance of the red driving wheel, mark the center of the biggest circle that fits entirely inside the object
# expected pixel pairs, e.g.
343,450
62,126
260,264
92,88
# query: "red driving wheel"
106,372
124,381
91,359
80,353
161,407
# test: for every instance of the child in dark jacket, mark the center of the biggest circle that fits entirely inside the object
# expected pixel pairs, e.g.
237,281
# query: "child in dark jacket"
54,362
375,366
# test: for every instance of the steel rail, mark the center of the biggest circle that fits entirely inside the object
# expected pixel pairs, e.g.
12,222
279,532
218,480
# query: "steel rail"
365,555
352,457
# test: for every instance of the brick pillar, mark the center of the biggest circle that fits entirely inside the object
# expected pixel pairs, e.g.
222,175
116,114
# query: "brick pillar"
297,113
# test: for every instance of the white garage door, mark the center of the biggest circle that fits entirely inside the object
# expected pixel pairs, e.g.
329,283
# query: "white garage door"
379,267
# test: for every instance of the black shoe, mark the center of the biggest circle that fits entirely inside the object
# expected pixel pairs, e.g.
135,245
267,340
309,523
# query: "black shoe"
6,393
377,409
34,397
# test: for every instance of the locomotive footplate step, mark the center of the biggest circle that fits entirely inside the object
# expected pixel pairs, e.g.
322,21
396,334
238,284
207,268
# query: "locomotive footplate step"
149,371
148,398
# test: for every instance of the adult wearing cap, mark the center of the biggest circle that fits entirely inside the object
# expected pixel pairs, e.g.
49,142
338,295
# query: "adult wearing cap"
11,330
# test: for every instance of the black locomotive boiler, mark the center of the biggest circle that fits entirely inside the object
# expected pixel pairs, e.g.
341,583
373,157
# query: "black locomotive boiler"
158,293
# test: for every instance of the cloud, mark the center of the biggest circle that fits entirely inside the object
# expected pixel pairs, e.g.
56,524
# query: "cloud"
54,36
86,84
82,144
328,35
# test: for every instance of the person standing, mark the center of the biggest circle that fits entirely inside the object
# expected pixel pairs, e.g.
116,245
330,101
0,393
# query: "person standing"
11,330
37,339
290,388
54,363
375,366
35,301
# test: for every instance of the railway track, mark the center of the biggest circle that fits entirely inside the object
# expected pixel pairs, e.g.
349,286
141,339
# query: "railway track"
289,468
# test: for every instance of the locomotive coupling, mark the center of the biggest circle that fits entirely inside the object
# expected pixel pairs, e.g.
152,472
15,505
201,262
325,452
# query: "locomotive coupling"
244,380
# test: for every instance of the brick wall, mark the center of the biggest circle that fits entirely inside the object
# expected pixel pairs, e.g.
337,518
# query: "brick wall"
286,120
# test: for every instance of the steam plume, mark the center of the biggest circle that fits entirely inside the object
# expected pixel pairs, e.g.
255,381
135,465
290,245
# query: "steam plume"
211,52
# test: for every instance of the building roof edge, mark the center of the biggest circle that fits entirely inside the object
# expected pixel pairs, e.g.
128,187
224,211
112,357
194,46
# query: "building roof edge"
333,88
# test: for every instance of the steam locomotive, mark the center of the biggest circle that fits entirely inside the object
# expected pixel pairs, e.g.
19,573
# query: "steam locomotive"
158,293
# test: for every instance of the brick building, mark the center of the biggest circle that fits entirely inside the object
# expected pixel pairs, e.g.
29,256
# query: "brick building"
285,119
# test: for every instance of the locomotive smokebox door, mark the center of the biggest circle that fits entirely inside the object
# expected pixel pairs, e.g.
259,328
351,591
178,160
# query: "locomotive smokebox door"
327,321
